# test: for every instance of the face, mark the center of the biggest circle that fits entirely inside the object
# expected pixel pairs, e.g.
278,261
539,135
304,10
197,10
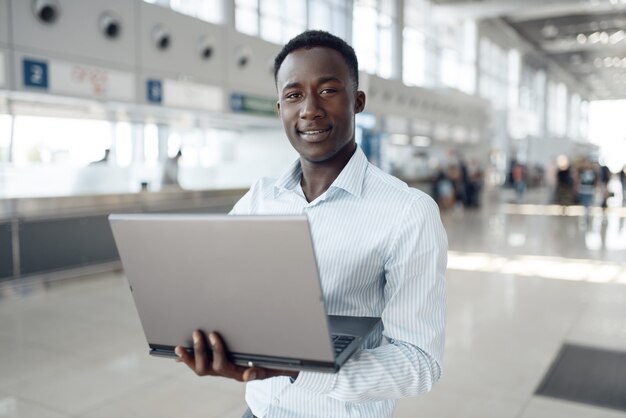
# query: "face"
317,103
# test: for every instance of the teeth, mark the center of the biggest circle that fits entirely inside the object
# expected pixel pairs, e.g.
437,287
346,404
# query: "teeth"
314,132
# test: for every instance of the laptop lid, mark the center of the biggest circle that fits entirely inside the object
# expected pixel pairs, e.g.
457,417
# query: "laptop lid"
253,279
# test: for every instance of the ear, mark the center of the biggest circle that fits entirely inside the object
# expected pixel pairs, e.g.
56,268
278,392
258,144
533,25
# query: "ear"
278,107
359,102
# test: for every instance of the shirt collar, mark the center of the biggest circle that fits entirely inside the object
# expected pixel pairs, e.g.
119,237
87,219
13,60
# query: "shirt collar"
350,179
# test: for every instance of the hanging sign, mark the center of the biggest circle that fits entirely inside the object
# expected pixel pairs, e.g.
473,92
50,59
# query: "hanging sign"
74,79
252,104
154,91
84,80
184,94
35,73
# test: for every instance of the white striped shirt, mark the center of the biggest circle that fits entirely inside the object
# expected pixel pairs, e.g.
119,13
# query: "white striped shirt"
381,251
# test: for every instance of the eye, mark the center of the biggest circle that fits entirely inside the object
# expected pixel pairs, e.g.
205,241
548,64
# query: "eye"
328,90
292,96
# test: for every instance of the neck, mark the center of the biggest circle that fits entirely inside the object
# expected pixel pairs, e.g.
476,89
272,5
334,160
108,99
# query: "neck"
317,177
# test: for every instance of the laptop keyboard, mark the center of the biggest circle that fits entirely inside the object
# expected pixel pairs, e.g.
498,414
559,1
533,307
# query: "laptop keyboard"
340,343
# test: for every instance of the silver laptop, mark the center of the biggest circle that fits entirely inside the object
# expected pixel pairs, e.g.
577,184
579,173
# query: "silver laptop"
252,279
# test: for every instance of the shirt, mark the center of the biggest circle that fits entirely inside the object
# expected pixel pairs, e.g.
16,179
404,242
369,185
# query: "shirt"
381,251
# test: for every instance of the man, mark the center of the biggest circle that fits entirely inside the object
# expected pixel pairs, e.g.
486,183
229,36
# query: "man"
380,246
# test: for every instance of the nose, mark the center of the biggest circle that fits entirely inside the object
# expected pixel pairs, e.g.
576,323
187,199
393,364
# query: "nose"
311,108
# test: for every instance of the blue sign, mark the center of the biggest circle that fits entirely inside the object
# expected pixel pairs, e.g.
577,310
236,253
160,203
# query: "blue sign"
35,73
154,91
236,102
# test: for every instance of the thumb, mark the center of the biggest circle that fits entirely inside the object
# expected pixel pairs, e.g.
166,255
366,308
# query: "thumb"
259,373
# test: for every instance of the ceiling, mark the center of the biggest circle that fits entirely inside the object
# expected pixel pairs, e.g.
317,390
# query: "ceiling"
586,38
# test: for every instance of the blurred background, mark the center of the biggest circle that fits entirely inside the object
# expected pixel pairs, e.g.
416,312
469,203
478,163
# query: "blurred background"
509,113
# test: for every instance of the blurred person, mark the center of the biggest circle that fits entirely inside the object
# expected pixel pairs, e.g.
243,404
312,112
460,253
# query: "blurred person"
519,178
169,178
455,175
622,179
475,179
443,191
564,183
381,249
587,179
604,178
463,186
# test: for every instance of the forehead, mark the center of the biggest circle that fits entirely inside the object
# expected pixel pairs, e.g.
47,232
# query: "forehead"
304,65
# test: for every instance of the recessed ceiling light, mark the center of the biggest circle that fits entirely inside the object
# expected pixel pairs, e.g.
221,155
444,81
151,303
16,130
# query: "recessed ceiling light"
581,38
617,37
604,38
549,31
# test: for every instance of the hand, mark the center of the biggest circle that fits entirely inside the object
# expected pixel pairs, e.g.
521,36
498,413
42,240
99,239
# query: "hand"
219,365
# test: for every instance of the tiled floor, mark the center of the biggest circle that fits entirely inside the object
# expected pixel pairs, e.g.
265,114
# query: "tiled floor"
522,280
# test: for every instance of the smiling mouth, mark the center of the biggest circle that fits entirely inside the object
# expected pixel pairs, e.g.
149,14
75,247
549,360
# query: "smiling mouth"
313,134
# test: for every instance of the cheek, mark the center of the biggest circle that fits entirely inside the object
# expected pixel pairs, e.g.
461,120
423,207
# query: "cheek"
288,113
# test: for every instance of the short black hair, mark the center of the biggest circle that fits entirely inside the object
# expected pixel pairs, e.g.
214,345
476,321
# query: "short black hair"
318,38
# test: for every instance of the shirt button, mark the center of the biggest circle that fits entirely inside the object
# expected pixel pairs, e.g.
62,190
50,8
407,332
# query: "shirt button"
276,401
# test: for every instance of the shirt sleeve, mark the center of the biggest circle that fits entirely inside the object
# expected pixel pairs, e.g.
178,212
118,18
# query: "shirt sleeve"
410,360
244,205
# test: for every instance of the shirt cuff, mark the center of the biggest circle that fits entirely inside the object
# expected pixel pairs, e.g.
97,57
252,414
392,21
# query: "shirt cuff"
321,383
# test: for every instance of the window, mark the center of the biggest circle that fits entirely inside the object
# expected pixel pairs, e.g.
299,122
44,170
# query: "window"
514,62
71,142
151,145
282,19
557,108
5,137
247,16
494,74
209,10
330,15
374,22
414,57
575,117
273,20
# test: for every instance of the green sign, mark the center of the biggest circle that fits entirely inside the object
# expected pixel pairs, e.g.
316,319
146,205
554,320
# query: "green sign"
252,104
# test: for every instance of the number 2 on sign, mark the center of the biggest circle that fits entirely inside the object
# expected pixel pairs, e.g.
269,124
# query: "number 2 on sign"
36,74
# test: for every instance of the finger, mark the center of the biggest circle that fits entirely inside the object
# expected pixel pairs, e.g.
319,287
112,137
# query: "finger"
251,374
259,373
221,364
202,364
184,357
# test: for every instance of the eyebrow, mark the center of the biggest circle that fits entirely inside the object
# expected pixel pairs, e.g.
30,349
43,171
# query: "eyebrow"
321,80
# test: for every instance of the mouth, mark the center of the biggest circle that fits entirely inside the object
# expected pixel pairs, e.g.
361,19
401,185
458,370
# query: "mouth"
314,135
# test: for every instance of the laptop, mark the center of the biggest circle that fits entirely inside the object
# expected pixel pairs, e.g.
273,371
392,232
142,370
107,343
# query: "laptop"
252,279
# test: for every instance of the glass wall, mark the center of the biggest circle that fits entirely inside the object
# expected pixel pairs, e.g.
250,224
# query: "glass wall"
280,20
414,36
373,25
209,10
5,137
68,142
557,110
334,16
494,73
